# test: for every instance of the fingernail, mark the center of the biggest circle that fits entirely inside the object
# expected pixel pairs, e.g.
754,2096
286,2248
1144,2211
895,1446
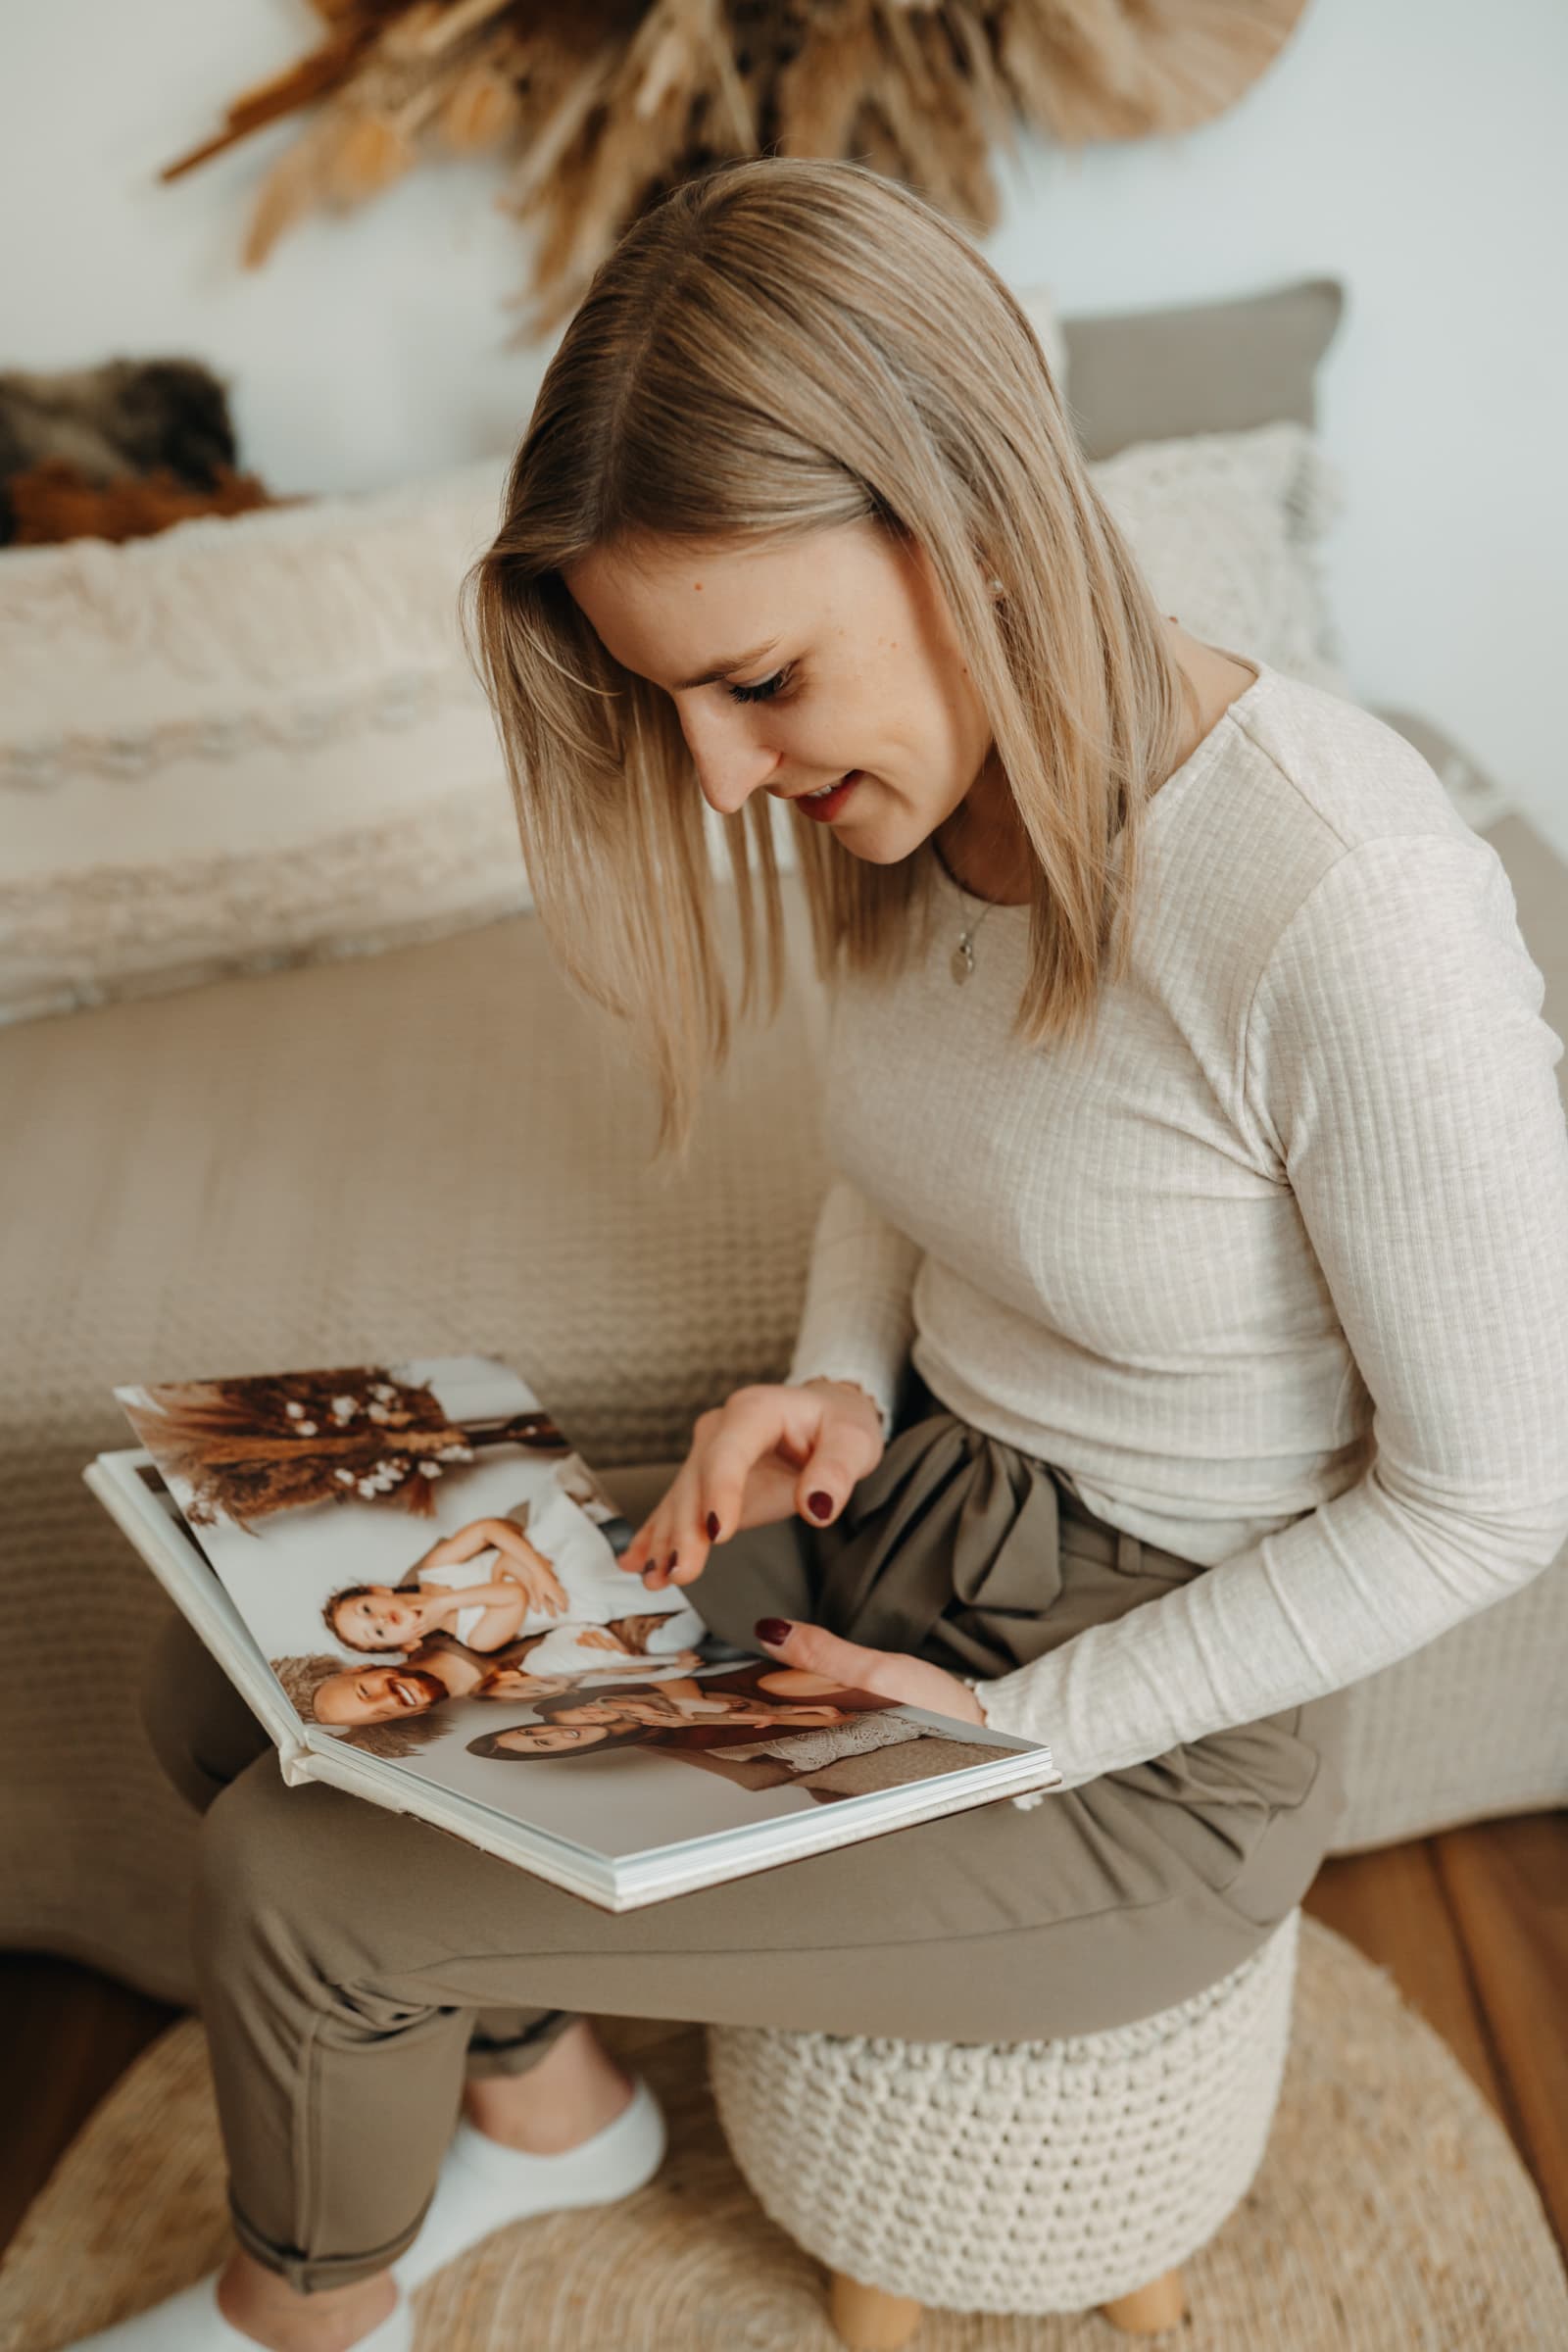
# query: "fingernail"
672,1563
774,1631
820,1504
712,1526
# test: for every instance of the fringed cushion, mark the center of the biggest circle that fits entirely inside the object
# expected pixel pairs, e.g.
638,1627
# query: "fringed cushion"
255,741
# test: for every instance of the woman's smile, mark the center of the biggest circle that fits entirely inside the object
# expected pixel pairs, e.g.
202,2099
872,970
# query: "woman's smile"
824,806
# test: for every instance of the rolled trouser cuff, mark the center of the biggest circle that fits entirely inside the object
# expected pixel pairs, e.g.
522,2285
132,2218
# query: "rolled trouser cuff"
507,2041
311,2275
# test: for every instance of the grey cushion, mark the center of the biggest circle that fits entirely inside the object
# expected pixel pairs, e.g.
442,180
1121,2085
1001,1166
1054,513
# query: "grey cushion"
1202,368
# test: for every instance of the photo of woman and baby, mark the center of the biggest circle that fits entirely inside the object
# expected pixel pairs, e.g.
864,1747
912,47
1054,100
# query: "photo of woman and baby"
453,1622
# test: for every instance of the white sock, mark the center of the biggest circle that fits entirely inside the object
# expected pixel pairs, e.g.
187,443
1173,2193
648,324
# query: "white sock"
191,2321
485,2185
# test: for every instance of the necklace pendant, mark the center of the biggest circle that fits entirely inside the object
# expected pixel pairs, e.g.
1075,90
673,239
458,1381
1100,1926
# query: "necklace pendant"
963,963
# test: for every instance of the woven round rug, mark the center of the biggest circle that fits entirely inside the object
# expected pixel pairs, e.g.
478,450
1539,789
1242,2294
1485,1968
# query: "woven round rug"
1390,2211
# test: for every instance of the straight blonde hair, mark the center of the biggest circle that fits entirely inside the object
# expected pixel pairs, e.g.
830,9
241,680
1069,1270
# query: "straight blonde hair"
778,347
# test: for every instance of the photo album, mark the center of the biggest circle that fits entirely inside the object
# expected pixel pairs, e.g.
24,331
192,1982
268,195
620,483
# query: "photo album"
411,1578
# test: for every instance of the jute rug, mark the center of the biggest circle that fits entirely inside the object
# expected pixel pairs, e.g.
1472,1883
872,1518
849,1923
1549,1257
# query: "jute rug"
1391,2214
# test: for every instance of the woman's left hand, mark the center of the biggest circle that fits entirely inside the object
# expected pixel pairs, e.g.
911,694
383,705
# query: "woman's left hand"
885,1672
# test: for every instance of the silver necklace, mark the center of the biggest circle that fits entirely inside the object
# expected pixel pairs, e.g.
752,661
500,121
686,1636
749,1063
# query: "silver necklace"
961,961
960,964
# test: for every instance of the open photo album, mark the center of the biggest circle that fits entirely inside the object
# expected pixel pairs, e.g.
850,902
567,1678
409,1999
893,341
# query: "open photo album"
410,1575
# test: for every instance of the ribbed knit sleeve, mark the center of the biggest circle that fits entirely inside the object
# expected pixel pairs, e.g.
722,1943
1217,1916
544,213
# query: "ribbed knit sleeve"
856,1322
1397,1061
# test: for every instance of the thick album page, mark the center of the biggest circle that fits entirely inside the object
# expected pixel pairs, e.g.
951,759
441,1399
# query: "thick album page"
429,1571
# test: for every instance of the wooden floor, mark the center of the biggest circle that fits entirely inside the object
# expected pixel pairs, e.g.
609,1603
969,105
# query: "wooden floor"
1473,1927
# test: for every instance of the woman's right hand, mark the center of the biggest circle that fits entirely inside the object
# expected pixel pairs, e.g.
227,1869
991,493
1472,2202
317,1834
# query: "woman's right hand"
757,1458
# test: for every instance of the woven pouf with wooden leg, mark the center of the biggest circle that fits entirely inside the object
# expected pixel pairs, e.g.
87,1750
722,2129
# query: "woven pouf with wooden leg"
1019,2177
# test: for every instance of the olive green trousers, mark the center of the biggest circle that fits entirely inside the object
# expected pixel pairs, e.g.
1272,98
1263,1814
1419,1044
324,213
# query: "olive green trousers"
353,1963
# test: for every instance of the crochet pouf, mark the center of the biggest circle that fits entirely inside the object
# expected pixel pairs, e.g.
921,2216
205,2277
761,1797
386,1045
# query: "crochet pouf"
1018,2177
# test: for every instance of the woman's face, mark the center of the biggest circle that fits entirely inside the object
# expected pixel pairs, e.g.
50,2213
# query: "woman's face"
376,1694
516,1681
377,1619
547,1739
850,644
605,1710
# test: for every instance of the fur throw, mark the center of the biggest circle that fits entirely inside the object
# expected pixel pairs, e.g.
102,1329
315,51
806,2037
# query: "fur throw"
116,422
54,502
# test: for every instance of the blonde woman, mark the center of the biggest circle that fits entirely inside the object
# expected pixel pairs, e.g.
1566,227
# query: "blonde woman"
1183,1336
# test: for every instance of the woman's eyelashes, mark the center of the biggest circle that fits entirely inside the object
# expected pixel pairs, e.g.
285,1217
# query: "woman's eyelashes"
765,690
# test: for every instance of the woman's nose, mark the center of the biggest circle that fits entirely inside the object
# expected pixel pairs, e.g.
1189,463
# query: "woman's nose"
729,767
727,789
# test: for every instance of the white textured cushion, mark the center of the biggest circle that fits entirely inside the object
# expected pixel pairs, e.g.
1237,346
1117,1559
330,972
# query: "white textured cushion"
248,743
258,741
1226,527
244,741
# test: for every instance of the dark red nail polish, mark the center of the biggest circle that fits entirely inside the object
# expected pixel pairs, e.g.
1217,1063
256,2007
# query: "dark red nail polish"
820,1504
774,1630
712,1526
671,1563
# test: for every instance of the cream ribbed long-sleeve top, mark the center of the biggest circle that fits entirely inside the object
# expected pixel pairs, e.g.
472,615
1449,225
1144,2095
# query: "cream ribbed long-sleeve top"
1274,1271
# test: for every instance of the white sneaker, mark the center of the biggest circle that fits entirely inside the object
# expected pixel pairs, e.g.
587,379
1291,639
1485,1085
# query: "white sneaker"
484,2184
191,2321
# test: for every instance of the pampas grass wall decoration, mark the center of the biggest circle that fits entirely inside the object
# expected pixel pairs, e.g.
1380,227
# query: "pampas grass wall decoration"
599,107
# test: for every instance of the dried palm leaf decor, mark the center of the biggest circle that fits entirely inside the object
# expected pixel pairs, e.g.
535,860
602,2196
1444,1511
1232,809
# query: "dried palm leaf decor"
601,106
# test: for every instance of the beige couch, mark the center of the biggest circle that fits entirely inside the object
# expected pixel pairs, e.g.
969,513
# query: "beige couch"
437,1148
440,1149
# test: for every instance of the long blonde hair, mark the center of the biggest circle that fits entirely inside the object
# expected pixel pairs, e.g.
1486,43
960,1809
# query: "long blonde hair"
778,347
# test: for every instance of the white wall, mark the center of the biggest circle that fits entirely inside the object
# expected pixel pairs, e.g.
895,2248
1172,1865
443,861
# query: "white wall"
1402,145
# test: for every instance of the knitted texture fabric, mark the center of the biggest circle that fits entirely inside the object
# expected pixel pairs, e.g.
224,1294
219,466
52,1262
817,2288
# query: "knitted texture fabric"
1021,2176
1272,1269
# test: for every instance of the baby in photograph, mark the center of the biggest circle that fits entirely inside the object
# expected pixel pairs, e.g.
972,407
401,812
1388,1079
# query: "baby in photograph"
484,1582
